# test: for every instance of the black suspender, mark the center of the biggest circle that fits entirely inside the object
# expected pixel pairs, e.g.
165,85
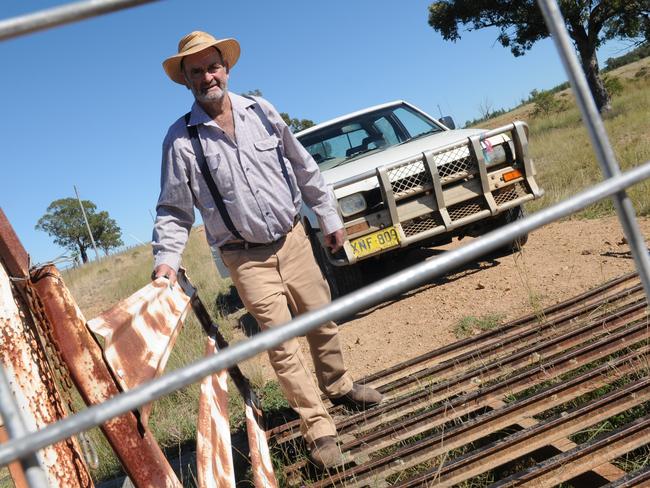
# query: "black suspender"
205,171
207,175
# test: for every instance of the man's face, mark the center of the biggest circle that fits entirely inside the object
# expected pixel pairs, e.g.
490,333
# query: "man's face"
206,75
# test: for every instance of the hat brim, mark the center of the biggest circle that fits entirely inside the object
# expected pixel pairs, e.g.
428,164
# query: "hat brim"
229,49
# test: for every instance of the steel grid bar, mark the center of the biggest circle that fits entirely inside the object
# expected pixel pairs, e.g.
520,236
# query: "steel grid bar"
528,440
458,407
15,426
283,432
580,459
343,307
65,14
506,345
463,345
396,408
477,428
640,478
463,405
599,140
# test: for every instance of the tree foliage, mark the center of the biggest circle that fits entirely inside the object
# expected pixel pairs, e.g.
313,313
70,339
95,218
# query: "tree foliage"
630,57
296,125
64,221
520,24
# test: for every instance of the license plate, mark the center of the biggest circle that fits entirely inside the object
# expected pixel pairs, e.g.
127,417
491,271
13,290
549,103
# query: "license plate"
375,242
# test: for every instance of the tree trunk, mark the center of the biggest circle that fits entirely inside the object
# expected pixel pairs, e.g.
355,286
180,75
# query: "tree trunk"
84,255
595,82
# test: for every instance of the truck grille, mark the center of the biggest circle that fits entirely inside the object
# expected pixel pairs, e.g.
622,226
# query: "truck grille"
413,177
454,164
425,223
467,208
409,179
512,192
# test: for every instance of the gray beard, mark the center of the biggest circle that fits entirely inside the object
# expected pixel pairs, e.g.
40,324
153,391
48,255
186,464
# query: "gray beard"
211,97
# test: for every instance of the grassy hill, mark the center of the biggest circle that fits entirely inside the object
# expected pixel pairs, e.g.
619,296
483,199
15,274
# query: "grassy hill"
561,149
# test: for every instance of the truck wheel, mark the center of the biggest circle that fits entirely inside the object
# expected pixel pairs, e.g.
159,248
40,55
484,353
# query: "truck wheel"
509,216
342,280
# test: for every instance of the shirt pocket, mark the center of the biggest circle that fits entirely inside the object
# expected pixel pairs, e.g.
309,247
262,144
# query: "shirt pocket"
267,144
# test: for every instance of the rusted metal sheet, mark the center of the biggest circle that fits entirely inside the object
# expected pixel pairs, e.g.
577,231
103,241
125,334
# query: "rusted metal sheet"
139,333
33,386
262,466
214,448
14,256
134,445
518,394
263,474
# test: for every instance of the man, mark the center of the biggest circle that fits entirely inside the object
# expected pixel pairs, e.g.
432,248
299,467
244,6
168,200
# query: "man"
236,160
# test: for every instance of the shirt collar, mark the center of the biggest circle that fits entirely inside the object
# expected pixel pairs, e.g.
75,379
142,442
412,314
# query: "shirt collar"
239,106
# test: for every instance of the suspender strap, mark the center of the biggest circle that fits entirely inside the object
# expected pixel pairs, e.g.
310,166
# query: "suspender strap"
269,128
207,175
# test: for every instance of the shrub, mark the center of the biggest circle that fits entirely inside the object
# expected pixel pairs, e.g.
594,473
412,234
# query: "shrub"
613,85
545,102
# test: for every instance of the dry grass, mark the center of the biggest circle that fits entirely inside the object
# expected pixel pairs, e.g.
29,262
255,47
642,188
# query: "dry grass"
562,152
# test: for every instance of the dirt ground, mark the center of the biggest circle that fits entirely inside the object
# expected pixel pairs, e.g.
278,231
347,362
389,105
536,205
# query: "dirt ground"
558,262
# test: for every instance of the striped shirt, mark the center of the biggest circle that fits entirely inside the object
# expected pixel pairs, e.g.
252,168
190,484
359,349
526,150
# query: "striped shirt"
248,175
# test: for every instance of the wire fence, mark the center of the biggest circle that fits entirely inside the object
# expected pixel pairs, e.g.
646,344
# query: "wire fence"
22,446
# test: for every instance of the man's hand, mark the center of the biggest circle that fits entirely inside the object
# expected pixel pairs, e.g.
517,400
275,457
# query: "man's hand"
335,240
166,272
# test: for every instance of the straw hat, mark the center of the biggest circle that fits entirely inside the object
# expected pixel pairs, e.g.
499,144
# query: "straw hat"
193,43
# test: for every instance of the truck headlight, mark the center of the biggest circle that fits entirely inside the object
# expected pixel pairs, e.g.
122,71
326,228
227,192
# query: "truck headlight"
352,204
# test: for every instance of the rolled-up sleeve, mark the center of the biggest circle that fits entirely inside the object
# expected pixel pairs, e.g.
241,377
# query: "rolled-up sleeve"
315,192
175,208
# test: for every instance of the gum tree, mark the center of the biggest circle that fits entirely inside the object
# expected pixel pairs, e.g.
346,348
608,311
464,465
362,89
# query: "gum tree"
64,221
520,25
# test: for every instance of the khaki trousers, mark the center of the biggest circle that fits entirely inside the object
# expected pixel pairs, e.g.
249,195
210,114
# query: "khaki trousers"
272,281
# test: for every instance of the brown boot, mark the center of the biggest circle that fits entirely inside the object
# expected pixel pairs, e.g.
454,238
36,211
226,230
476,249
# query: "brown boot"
360,397
325,453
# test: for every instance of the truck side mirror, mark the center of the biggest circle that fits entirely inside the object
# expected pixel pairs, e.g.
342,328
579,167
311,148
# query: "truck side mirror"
448,121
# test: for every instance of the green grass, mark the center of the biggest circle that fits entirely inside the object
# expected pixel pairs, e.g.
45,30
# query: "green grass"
469,326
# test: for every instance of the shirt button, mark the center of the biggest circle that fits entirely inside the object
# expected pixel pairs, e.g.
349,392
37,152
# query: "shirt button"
268,213
257,192
247,169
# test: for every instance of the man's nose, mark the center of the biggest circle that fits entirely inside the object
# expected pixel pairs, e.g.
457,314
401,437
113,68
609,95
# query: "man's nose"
207,76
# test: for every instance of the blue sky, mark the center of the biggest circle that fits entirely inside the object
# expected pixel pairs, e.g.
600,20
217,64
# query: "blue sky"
88,104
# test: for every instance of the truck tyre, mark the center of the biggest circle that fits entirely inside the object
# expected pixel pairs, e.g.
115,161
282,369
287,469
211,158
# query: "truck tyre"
509,216
342,280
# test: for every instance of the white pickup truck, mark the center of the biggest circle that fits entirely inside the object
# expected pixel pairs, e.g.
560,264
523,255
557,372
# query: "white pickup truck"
403,178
